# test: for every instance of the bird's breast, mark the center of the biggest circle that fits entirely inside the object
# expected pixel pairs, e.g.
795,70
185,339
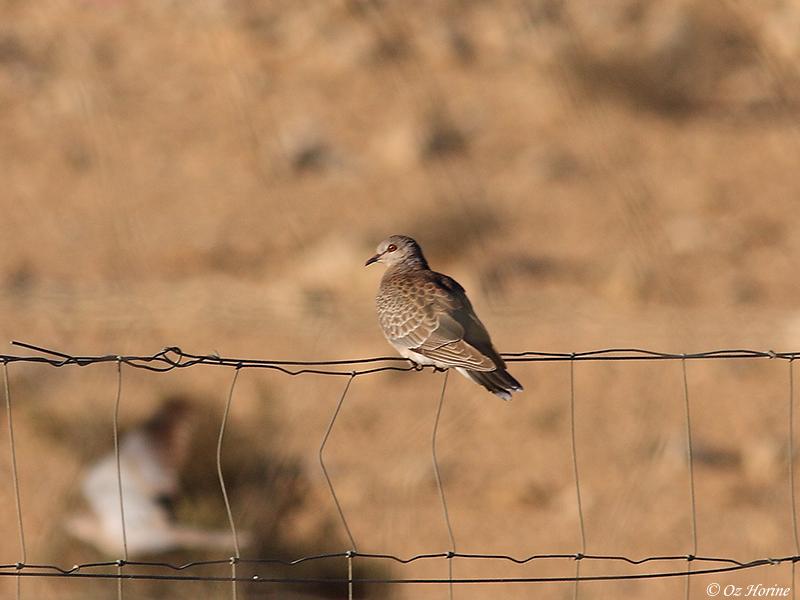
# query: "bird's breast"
401,305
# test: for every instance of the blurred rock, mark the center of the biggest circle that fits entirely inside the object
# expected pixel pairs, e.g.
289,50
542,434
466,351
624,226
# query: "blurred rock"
456,225
524,269
307,151
442,138
674,452
673,58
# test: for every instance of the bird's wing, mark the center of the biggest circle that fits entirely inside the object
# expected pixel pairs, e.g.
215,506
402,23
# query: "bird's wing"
436,319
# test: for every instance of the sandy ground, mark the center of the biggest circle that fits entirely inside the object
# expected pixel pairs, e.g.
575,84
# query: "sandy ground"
213,176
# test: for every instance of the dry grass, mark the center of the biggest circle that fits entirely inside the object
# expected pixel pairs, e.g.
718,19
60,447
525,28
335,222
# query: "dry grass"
213,176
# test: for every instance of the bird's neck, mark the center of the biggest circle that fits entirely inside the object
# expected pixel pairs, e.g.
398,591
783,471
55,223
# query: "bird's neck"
411,263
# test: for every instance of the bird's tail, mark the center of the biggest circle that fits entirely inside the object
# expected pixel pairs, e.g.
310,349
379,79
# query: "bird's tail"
500,382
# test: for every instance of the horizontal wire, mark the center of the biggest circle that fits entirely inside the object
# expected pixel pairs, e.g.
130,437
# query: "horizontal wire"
317,580
173,357
4,568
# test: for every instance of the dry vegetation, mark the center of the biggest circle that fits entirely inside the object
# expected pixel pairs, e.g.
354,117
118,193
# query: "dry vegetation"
213,175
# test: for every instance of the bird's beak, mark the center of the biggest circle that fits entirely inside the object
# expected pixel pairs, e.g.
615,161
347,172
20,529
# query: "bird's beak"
374,259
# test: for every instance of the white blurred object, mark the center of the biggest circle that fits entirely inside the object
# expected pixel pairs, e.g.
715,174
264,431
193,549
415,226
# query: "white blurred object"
150,460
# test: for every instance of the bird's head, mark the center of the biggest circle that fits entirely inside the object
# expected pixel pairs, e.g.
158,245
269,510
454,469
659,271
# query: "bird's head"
397,249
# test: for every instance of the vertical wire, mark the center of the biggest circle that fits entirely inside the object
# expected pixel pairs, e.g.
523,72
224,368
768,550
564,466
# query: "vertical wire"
690,464
579,504
226,500
349,575
325,470
120,563
234,561
440,487
119,579
14,476
792,490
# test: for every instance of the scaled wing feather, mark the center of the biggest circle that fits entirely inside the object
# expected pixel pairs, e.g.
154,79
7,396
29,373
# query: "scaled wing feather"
442,327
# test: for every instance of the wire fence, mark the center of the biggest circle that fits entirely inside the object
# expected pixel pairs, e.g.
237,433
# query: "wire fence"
171,358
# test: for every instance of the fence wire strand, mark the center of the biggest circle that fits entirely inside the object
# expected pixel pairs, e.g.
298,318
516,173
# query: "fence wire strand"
349,553
234,536
578,503
325,470
437,474
79,571
690,469
117,399
172,358
14,474
792,487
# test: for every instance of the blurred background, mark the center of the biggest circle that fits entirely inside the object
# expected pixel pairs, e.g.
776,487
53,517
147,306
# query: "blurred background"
213,175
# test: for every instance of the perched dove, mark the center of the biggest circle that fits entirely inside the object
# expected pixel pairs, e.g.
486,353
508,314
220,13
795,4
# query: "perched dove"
428,318
150,459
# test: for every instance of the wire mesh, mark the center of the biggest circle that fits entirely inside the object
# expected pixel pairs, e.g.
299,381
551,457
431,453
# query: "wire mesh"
172,358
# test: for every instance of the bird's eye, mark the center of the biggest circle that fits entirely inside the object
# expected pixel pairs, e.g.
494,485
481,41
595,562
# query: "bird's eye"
391,248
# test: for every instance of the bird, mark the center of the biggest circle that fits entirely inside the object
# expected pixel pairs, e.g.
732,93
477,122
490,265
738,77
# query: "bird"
429,320
150,457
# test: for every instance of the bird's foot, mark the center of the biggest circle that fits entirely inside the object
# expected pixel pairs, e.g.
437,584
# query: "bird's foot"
439,369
